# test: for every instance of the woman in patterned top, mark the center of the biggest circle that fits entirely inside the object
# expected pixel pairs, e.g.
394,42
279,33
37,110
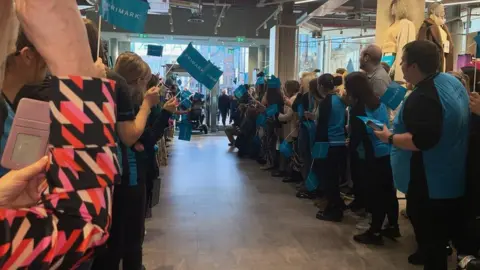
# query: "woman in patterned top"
58,227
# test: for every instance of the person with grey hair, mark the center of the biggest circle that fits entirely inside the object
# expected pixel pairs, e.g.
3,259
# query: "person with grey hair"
370,62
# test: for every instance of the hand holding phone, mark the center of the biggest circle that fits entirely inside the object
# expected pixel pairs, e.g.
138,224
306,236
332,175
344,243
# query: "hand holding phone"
28,138
374,126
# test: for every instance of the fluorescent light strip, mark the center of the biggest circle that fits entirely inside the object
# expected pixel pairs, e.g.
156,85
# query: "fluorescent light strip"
455,3
305,1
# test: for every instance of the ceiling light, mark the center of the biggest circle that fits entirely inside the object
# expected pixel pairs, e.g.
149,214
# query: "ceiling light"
305,1
171,20
455,3
170,11
275,16
256,33
362,37
171,28
216,31
265,26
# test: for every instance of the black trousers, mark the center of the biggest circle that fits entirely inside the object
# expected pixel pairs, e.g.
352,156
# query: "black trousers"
358,169
382,193
127,231
332,171
435,223
224,116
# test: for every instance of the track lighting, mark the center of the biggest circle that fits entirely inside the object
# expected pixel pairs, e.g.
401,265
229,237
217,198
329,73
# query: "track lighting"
216,31
171,28
265,26
256,33
171,20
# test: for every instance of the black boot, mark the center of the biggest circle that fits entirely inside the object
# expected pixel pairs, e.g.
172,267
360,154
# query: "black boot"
331,213
369,238
391,232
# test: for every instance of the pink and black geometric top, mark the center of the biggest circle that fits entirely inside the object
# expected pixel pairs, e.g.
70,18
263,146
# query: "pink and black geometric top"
74,214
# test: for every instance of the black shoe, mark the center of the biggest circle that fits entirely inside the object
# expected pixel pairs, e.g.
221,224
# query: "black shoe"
334,215
391,233
261,161
369,238
289,179
278,174
416,258
306,195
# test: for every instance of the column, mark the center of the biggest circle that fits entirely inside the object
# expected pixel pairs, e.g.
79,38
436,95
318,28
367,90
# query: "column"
457,33
113,49
261,57
284,51
214,108
252,64
416,9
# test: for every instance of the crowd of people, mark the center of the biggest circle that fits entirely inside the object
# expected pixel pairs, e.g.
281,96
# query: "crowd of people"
83,206
427,148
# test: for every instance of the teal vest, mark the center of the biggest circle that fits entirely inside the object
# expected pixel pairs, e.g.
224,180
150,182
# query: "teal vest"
445,163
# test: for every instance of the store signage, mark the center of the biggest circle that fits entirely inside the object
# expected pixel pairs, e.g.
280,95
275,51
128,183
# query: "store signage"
240,39
130,15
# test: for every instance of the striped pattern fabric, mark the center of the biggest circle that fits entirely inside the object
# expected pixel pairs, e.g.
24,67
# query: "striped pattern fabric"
74,214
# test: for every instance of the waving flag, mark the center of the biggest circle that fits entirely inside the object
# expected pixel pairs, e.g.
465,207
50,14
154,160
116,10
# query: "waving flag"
130,15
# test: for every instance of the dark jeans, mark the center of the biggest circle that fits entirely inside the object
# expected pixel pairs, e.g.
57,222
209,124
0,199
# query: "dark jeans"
332,171
127,231
358,168
224,113
435,223
383,195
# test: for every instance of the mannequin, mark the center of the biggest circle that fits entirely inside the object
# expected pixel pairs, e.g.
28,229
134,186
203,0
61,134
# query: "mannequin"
435,30
400,32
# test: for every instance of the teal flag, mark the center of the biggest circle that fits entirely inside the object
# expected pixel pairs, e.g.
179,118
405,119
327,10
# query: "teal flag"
198,67
240,91
130,15
185,133
394,95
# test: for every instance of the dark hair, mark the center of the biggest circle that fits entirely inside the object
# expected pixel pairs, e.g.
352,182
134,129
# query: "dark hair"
292,87
261,74
425,54
92,33
358,87
22,42
328,81
274,96
153,81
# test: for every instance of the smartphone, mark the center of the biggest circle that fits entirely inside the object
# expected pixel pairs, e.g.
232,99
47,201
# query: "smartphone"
28,138
374,126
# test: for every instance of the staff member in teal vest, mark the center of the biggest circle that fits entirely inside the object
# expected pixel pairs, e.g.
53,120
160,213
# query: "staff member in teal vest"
374,156
430,141
330,129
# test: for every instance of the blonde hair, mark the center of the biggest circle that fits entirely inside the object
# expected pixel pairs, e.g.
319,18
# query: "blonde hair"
305,79
131,67
8,38
401,11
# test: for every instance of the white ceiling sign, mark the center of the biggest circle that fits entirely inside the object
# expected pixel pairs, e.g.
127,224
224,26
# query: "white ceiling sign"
159,6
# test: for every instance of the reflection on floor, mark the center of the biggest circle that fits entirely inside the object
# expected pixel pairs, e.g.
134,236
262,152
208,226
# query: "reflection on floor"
219,212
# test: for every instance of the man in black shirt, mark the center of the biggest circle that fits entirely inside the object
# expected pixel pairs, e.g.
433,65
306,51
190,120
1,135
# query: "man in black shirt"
429,147
224,106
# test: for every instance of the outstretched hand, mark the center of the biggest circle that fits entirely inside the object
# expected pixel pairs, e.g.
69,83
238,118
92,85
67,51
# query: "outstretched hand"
23,188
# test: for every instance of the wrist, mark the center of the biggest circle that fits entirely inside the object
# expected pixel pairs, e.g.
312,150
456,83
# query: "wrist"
146,106
390,139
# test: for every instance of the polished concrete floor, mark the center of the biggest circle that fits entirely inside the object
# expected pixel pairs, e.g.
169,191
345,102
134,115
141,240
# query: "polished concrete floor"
219,212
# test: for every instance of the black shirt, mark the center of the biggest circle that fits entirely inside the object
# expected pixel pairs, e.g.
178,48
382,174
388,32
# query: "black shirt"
423,118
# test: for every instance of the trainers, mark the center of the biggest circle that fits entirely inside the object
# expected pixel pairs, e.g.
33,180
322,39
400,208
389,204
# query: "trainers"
364,223
369,238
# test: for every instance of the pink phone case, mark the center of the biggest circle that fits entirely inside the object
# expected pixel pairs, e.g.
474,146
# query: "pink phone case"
31,127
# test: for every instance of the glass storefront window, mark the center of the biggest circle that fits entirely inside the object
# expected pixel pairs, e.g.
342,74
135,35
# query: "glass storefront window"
233,61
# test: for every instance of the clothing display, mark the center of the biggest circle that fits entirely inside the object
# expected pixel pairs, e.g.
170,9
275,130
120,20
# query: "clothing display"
398,35
440,35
